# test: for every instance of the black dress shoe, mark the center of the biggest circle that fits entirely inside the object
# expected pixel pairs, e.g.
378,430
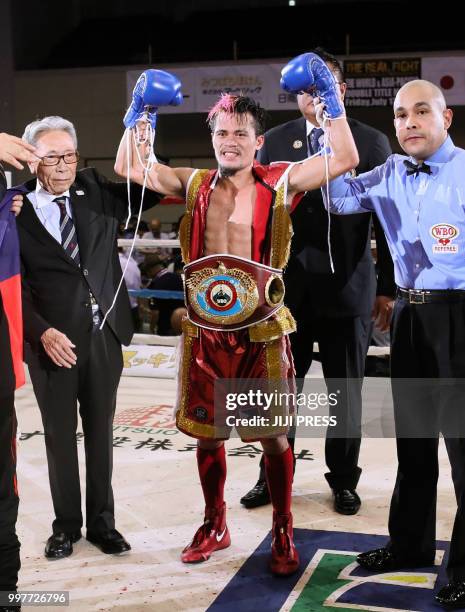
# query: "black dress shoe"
383,560
452,595
258,496
60,545
110,542
346,501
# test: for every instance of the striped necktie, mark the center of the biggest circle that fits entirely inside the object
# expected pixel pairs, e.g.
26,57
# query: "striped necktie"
314,140
68,231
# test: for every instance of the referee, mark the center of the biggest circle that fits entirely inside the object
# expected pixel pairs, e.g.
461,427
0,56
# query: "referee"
420,202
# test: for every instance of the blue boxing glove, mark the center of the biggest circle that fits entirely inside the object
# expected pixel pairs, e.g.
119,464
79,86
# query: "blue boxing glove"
154,88
309,73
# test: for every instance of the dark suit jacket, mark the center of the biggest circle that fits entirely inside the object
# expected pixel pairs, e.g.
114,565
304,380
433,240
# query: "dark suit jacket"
55,289
350,291
7,377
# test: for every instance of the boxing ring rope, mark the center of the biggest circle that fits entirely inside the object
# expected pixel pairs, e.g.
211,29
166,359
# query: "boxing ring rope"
171,243
149,243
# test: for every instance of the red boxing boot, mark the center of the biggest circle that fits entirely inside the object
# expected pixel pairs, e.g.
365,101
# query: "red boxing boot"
212,535
284,556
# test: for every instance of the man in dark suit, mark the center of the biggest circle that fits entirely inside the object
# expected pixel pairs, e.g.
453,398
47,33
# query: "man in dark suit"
71,273
12,150
333,309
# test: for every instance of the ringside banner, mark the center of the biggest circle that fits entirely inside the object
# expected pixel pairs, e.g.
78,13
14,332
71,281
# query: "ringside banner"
372,81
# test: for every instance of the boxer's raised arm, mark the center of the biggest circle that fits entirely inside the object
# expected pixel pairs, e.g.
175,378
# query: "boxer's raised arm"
160,178
309,73
154,88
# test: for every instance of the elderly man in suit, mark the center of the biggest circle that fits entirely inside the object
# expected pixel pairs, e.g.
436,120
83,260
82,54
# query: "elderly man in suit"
71,271
333,309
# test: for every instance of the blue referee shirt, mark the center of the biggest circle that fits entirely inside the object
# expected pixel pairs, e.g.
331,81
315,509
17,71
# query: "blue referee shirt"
423,215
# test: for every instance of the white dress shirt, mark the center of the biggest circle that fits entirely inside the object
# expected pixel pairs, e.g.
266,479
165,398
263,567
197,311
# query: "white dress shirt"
47,210
132,275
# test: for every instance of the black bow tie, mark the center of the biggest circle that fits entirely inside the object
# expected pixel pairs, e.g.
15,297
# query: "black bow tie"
416,168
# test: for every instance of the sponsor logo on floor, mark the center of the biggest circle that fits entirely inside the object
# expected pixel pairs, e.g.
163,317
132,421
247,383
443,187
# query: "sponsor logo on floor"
330,579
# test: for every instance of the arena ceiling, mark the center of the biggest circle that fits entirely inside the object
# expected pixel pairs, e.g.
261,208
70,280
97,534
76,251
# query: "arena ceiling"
56,34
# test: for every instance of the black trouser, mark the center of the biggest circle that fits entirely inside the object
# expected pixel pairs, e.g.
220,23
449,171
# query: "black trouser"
343,344
428,342
9,543
135,318
93,381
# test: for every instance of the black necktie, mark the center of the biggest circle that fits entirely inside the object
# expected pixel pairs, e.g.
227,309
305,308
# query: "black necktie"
314,140
68,231
2,183
416,168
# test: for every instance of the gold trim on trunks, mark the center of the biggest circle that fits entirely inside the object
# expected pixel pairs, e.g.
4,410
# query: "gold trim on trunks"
188,339
183,422
273,360
276,384
197,430
281,231
186,221
281,324
189,329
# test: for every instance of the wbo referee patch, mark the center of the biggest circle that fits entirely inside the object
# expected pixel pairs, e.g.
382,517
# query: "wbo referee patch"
444,233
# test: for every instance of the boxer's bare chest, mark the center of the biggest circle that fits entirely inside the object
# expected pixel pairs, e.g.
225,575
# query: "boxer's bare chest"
229,220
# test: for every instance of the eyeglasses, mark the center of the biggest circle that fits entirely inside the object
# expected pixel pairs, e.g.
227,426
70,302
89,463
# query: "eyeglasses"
54,160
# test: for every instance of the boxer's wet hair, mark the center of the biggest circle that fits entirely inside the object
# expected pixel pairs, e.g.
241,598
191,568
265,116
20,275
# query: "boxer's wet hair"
238,105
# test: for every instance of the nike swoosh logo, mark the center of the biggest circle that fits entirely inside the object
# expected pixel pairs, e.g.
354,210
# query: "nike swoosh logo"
219,537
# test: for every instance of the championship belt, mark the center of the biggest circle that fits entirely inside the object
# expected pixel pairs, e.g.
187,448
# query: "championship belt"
227,293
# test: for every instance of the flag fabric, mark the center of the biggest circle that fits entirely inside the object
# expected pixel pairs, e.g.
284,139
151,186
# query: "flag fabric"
448,73
10,283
